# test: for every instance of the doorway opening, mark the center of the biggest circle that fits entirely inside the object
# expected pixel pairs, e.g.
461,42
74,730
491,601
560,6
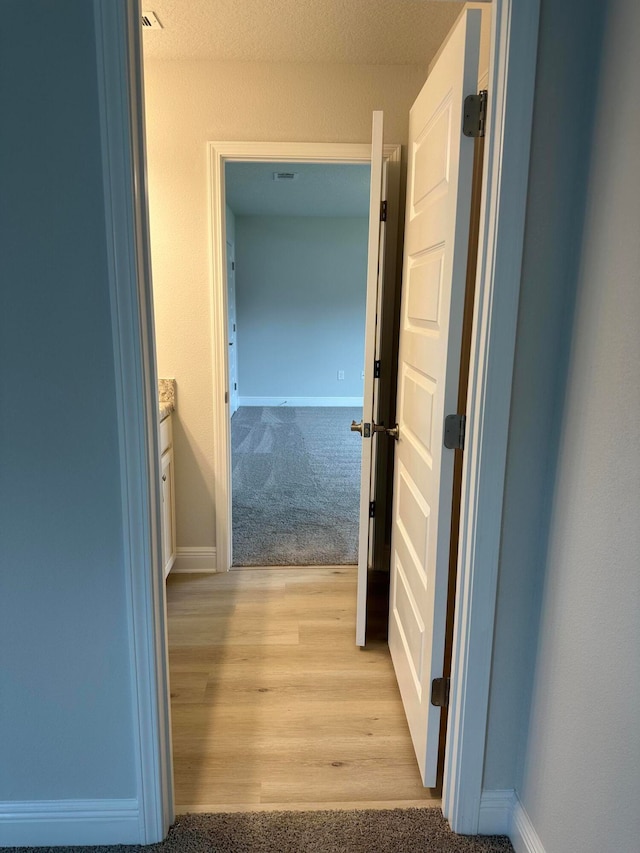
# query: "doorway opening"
276,647
438,155
501,241
308,308
296,283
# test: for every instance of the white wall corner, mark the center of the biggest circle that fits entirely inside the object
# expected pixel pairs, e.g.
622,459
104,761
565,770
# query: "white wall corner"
69,822
502,813
195,559
523,835
496,809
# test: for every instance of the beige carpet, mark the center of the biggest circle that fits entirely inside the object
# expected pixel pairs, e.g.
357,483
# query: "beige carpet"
387,831
296,486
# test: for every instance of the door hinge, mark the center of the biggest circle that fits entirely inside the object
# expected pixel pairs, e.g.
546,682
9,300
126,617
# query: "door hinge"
440,692
233,265
372,509
454,429
235,386
226,396
475,114
383,211
376,369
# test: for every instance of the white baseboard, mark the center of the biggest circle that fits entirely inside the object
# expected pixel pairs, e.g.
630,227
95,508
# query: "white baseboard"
300,401
502,813
523,835
496,809
195,560
54,823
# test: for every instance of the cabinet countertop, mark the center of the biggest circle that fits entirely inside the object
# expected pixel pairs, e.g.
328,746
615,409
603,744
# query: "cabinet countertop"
166,397
165,410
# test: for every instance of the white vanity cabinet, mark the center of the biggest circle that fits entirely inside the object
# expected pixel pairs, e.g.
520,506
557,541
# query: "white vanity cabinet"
168,495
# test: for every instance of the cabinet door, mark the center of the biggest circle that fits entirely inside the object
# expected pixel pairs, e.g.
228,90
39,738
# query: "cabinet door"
168,513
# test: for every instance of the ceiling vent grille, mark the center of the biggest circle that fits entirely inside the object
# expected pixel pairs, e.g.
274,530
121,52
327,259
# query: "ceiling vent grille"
285,176
150,21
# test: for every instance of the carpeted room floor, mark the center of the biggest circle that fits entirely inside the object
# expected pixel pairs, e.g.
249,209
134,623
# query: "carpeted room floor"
368,831
296,486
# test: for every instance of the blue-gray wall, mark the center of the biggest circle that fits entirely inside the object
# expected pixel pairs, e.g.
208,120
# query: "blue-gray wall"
560,151
300,293
65,704
565,692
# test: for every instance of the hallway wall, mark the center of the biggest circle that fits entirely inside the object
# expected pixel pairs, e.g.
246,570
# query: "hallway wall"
301,289
565,692
581,771
66,721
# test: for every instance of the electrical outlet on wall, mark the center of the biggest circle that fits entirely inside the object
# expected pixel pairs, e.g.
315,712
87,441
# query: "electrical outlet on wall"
340,375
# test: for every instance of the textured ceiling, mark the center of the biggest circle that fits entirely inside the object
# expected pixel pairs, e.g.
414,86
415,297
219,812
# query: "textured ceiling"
379,32
318,190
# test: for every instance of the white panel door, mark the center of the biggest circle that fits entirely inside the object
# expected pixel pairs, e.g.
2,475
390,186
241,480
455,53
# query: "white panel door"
233,336
435,256
375,261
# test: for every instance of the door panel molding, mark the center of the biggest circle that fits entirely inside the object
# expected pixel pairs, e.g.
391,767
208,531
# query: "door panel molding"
436,244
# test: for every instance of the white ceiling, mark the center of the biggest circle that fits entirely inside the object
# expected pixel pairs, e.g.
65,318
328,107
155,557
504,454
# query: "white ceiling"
320,189
379,32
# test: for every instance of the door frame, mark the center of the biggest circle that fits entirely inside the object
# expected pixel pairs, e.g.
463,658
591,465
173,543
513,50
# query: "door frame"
121,97
228,244
220,153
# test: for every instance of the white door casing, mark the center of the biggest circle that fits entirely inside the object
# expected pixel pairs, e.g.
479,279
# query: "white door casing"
375,273
434,268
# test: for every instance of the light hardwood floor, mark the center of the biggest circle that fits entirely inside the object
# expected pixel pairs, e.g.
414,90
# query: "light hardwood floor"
273,705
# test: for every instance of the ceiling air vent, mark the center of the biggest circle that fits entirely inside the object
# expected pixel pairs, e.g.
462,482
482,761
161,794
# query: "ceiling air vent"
150,21
285,176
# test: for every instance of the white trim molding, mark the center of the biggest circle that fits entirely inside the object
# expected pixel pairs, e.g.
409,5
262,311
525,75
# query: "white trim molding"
502,813
300,401
54,823
522,833
250,152
506,170
496,809
195,559
121,105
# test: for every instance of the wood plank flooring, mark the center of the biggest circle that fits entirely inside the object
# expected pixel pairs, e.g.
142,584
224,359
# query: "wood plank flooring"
273,705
